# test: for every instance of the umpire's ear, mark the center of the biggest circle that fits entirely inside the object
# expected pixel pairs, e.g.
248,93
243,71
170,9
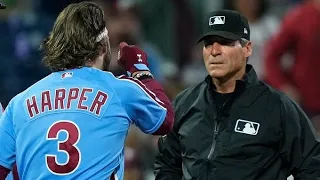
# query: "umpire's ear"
247,49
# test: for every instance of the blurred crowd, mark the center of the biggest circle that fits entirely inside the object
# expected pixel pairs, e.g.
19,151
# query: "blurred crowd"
285,36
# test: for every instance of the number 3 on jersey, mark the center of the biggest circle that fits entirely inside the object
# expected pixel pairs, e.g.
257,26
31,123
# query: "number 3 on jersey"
67,146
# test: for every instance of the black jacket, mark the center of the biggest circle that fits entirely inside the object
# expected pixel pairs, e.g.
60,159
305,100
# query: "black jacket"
259,134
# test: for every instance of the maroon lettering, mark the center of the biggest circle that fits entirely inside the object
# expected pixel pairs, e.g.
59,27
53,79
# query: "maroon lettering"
32,106
98,102
83,98
59,99
45,101
73,95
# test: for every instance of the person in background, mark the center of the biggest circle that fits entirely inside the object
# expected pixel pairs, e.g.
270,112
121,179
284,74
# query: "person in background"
298,36
263,26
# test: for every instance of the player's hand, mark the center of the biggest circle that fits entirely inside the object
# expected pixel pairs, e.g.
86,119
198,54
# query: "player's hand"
132,58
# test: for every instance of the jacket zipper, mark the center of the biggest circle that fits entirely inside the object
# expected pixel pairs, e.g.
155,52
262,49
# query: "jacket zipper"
217,125
216,131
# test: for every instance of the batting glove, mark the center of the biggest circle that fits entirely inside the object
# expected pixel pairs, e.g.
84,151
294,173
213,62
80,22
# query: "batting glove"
132,58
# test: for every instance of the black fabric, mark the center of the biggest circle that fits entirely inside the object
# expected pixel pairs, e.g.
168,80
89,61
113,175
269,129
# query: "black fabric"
227,24
207,144
221,98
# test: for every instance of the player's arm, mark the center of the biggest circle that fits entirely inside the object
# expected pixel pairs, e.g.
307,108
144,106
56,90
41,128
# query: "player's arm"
4,172
146,103
7,144
283,42
299,148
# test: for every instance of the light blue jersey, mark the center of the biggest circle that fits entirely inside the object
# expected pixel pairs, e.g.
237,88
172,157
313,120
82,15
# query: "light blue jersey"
73,124
10,176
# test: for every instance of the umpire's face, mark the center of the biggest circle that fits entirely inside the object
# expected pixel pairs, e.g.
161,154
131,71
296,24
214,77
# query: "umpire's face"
225,58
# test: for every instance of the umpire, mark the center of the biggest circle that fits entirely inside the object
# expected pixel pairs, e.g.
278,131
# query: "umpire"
232,126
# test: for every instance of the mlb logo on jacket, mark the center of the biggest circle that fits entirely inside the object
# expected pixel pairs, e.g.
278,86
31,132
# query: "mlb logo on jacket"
247,127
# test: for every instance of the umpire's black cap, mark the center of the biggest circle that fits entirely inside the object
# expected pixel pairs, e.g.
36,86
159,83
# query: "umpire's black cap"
2,6
227,24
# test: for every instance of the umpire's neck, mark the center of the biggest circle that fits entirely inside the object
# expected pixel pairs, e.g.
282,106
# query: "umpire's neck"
227,84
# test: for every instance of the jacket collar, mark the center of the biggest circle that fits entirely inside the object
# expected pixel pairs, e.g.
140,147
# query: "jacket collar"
249,79
242,87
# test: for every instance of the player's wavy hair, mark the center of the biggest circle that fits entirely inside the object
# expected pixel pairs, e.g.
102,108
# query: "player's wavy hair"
72,41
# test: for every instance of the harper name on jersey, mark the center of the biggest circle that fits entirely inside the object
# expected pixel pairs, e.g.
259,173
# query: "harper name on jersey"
62,99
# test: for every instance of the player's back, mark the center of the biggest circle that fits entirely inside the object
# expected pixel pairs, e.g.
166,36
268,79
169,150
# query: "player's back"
70,125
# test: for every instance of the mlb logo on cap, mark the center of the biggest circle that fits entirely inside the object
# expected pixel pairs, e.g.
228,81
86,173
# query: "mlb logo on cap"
246,127
227,24
217,20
